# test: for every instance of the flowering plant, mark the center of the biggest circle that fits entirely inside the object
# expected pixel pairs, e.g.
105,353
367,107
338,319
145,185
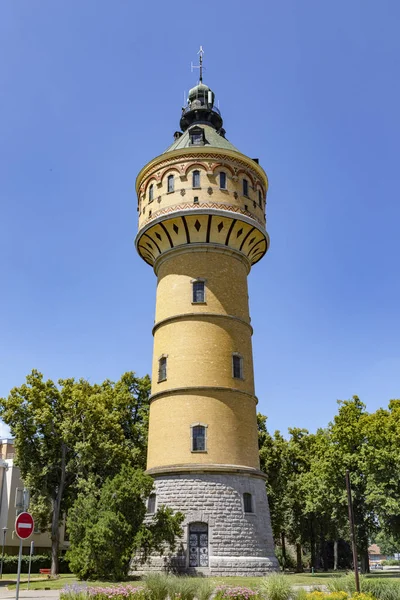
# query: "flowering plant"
224,592
118,592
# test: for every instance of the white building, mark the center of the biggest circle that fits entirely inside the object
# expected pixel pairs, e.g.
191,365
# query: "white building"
11,486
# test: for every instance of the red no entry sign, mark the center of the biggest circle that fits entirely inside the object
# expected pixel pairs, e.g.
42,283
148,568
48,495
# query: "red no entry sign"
24,525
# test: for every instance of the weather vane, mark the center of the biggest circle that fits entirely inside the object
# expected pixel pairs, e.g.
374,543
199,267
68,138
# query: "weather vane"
199,66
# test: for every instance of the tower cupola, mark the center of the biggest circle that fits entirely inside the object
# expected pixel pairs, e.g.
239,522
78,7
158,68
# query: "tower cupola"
200,108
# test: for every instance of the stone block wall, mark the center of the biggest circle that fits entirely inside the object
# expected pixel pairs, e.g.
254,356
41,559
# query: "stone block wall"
240,543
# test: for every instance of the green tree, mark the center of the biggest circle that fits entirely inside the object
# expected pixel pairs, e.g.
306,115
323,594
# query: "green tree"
387,543
72,433
349,443
274,463
381,457
106,525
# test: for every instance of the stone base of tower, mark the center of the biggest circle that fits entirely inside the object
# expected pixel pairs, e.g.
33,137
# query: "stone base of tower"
219,537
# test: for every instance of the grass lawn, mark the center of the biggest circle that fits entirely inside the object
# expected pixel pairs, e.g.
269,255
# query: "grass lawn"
38,582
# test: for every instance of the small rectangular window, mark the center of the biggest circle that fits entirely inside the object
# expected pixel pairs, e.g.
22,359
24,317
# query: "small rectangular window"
196,139
151,193
245,187
151,504
198,438
162,368
259,199
198,292
196,179
170,180
222,181
237,366
247,503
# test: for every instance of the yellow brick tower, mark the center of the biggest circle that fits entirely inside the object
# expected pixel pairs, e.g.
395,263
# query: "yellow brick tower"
201,227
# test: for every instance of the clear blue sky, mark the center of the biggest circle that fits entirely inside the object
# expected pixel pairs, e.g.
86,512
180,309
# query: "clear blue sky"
91,90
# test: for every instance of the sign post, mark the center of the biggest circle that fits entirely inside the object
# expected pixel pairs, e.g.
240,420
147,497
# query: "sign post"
30,562
24,527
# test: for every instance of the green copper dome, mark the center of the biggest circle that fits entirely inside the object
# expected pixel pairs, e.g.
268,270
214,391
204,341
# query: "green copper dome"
201,92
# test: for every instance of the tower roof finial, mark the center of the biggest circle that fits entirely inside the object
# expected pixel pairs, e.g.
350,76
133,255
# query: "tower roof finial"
200,65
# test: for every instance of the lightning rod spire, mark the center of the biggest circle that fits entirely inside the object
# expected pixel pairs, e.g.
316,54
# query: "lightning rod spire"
200,65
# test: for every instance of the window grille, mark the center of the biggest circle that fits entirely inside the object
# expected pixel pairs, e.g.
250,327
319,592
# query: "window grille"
247,503
237,365
198,438
245,187
222,181
196,179
162,368
171,184
198,291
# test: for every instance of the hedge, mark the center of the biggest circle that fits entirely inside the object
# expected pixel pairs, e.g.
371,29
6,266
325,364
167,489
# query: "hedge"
39,561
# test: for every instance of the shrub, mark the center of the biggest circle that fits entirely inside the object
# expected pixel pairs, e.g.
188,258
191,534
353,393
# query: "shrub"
391,562
205,589
382,589
290,562
319,595
379,589
158,585
39,561
181,588
276,587
224,592
342,584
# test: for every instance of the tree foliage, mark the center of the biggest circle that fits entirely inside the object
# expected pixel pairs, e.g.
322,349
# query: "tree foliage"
69,434
306,483
106,525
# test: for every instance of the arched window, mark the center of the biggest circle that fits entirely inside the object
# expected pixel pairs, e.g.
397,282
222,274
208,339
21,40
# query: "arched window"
247,502
196,179
199,437
259,198
151,193
151,504
222,181
245,187
171,184
237,366
162,368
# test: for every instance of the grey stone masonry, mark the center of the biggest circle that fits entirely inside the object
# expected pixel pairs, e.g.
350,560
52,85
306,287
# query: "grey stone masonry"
239,542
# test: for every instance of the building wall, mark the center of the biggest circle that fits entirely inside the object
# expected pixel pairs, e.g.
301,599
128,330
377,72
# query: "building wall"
240,543
181,165
233,443
10,480
199,341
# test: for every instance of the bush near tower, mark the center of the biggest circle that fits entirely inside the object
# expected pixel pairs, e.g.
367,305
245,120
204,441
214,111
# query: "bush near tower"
106,526
75,443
